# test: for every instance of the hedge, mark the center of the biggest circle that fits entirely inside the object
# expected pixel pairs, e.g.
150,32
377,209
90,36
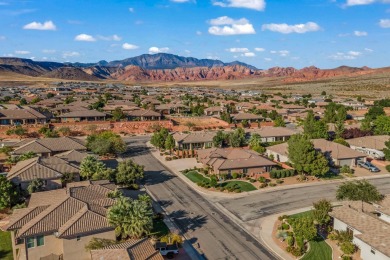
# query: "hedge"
277,174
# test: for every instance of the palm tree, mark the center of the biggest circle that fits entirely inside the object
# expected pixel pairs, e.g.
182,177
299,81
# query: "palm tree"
131,218
88,166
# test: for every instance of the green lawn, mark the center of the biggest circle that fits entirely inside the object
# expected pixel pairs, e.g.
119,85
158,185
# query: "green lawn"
319,250
196,177
242,185
159,228
302,214
5,246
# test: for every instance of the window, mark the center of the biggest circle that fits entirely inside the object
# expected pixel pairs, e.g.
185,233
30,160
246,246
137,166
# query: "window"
245,170
30,242
40,240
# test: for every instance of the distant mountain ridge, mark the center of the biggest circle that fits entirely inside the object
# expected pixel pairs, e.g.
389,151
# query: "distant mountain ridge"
169,67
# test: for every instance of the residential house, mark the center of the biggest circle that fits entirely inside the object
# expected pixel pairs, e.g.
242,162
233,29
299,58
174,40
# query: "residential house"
84,115
271,134
143,115
238,118
21,116
215,111
59,224
50,170
49,146
369,225
139,249
227,161
190,141
372,146
338,154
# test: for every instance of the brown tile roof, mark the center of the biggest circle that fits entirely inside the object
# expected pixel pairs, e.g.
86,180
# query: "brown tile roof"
73,156
375,232
47,145
22,113
202,137
139,249
143,112
42,168
373,142
246,116
270,131
77,210
83,113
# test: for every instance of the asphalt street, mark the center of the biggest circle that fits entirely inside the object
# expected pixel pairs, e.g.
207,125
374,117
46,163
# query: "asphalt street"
198,219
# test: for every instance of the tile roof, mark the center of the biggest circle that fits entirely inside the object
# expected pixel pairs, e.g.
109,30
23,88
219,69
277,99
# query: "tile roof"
373,142
21,113
47,145
201,137
270,131
140,249
246,116
143,112
83,113
77,210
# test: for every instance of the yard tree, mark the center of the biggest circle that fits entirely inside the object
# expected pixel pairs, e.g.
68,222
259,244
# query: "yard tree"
339,128
128,173
313,128
304,227
245,123
170,143
131,218
237,138
360,190
118,114
106,142
330,112
382,125
321,211
386,150
254,140
374,112
304,157
159,137
279,122
341,141
219,139
8,193
92,168
35,185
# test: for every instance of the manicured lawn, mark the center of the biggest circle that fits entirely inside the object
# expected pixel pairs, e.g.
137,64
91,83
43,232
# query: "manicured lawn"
242,185
302,214
196,177
5,246
331,176
319,250
159,228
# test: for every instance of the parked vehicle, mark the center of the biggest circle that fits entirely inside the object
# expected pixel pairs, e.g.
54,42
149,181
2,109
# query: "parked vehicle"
167,250
369,166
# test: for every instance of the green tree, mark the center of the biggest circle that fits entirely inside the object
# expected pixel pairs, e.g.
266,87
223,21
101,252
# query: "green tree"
128,173
225,116
304,157
374,112
118,114
49,95
106,142
254,140
313,128
339,128
279,122
131,218
341,141
382,125
237,138
220,139
170,143
23,102
8,193
386,150
304,227
19,131
92,168
159,137
245,123
359,191
35,185
48,132
65,131
26,156
321,211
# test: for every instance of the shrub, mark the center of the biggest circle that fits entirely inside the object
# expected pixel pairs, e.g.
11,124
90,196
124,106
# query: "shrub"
346,257
277,174
279,181
388,168
298,251
280,218
285,226
168,158
272,184
290,241
261,179
234,175
252,180
346,169
348,248
263,185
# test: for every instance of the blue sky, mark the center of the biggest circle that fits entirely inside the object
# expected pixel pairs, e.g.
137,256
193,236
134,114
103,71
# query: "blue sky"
264,33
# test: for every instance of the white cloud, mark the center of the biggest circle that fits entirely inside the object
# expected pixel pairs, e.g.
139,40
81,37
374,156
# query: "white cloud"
259,49
128,46
198,33
49,51
22,52
368,50
351,55
110,38
2,38
227,26
180,1
267,59
154,50
258,5
384,23
46,26
360,33
237,50
248,54
84,38
187,51
297,28
282,53
365,2
68,54
131,10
